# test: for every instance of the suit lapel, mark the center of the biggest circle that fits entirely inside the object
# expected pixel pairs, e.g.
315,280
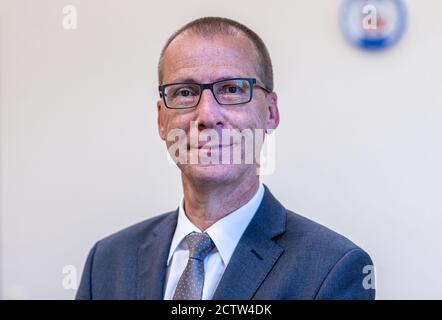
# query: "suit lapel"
256,252
152,259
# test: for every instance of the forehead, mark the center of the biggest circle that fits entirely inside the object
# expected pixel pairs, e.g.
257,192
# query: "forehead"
207,59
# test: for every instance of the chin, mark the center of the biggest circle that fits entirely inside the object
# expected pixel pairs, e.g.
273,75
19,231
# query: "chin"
214,173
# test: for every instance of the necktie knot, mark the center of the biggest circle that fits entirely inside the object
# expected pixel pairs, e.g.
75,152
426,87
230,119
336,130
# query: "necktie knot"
199,245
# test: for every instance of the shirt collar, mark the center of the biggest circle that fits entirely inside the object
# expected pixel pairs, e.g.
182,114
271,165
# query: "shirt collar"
225,233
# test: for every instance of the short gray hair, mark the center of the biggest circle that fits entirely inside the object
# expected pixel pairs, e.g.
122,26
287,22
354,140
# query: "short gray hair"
212,26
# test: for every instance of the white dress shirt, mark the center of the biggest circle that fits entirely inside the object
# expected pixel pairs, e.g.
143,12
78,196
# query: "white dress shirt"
225,234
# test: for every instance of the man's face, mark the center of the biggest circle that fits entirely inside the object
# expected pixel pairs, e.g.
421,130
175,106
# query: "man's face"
192,58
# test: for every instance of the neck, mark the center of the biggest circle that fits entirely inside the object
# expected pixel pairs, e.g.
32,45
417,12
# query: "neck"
206,204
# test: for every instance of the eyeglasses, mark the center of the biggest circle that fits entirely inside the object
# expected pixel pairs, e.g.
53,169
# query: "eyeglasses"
230,92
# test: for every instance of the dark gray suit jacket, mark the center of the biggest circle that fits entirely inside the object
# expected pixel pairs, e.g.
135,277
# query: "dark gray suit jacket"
281,255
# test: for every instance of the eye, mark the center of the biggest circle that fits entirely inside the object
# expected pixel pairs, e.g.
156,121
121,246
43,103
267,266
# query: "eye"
183,92
232,89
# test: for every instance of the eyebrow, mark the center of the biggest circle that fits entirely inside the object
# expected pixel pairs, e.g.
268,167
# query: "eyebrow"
193,80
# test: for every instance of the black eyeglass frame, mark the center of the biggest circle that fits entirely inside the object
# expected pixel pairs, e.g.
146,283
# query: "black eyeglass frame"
204,86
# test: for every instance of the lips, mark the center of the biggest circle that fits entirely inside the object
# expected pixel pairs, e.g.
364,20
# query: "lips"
207,146
217,146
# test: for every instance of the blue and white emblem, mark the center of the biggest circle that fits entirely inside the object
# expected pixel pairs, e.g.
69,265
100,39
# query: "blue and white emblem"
373,24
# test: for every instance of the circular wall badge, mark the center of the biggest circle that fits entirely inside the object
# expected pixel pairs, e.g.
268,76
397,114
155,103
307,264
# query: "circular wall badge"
373,24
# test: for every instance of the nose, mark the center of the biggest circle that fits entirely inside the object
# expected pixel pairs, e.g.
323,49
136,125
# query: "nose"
208,112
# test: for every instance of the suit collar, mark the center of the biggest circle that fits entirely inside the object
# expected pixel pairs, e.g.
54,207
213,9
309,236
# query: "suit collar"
271,216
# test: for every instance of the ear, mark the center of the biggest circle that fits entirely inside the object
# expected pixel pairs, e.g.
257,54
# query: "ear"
272,119
161,122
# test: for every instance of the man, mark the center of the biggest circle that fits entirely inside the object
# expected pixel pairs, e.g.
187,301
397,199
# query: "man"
230,238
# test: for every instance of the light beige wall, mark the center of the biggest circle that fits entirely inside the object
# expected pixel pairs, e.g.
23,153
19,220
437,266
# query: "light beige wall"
358,148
